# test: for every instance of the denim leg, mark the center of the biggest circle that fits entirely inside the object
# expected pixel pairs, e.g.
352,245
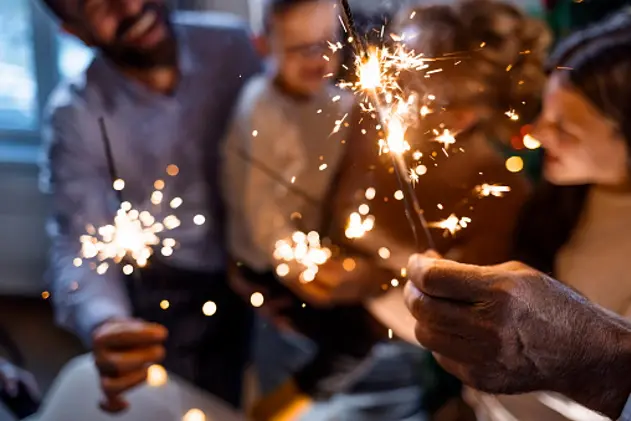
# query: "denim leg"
279,354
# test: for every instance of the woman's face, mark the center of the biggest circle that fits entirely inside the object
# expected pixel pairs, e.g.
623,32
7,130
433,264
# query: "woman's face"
582,145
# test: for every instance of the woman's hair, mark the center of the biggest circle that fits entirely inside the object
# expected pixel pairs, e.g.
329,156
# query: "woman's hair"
489,53
596,62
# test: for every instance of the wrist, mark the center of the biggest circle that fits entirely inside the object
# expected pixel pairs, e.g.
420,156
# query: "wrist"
606,384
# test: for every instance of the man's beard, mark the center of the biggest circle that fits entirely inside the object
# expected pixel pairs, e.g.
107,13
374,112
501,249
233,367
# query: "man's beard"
163,54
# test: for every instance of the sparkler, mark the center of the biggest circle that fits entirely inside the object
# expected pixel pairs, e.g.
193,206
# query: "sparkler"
133,235
378,73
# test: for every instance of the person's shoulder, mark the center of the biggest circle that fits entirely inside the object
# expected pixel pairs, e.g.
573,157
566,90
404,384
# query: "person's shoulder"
257,95
77,95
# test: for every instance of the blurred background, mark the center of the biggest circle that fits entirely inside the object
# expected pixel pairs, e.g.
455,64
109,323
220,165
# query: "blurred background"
34,56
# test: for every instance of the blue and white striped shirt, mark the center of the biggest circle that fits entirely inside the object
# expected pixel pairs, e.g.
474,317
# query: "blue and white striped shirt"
148,132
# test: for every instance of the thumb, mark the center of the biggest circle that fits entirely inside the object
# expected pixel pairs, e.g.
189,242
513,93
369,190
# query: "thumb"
449,280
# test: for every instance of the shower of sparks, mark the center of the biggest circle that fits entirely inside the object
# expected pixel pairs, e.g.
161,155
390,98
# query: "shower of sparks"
451,225
486,190
133,236
302,249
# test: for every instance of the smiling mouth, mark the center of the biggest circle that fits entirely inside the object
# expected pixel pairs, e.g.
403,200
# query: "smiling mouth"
144,24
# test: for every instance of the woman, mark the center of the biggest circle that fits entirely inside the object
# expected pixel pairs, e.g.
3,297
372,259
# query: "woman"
576,225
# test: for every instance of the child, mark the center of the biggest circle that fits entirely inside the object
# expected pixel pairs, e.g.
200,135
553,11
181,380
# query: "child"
282,154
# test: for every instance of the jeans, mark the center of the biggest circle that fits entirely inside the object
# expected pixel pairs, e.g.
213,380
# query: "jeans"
386,387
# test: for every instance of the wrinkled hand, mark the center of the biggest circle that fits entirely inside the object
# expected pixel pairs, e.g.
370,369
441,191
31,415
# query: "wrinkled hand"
335,285
11,377
510,329
123,351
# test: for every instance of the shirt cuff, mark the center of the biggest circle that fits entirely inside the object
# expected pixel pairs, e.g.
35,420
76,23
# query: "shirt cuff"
94,313
626,413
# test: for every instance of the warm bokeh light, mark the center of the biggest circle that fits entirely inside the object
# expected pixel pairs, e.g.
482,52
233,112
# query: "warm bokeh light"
514,164
164,304
531,143
209,308
157,376
194,415
257,300
119,185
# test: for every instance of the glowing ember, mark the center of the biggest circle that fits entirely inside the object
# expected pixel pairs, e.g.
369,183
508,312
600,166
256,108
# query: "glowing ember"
451,225
446,138
486,190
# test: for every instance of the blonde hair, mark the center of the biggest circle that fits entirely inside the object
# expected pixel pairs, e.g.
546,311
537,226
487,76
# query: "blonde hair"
490,54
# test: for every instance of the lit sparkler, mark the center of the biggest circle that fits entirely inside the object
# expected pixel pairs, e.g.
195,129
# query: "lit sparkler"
131,238
303,250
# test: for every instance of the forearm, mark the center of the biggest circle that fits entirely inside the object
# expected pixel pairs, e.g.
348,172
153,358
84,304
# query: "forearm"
83,299
604,385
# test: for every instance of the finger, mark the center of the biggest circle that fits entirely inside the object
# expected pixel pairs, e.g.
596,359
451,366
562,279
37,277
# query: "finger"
31,385
432,254
129,334
10,379
113,404
449,280
453,367
446,315
115,363
114,386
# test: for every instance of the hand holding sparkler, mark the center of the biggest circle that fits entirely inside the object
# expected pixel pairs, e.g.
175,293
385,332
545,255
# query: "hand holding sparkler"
123,351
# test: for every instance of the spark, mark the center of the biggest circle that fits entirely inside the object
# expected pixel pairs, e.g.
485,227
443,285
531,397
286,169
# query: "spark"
446,138
304,250
512,114
486,190
414,177
357,226
451,225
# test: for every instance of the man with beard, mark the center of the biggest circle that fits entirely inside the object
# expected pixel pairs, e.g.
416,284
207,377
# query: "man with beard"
165,92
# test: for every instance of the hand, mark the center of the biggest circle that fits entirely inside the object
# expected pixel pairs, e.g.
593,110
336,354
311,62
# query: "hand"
123,351
11,377
510,329
334,285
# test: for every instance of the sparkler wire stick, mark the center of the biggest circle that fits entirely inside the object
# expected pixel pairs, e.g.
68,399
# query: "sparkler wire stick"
110,158
399,164
113,404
